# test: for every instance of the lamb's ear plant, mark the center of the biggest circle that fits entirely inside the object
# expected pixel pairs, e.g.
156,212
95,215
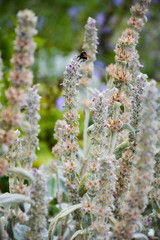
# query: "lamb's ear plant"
108,189
26,203
114,142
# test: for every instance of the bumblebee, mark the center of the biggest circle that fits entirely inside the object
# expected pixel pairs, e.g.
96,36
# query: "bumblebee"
82,56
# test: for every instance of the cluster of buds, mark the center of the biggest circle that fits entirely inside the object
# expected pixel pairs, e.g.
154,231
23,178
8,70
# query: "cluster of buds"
136,109
7,136
121,98
30,127
70,83
91,39
24,47
90,46
155,192
138,17
60,135
38,212
114,125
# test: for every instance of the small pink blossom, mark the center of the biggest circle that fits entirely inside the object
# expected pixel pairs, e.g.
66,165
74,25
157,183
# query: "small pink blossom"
3,167
15,95
70,67
20,78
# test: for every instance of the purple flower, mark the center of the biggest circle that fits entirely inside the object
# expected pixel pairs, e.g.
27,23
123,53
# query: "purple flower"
106,30
100,64
149,220
109,163
118,2
93,24
100,19
114,195
96,73
41,21
73,11
34,171
59,103
42,167
70,68
103,89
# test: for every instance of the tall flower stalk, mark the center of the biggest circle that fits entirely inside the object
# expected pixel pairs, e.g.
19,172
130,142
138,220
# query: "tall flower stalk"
38,211
101,171
67,131
90,46
21,76
136,199
126,75
22,153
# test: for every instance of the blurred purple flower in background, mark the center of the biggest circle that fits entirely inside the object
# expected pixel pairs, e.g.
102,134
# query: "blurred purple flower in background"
106,30
157,1
96,73
73,11
99,68
103,88
100,64
118,2
41,21
34,171
109,46
100,19
10,23
59,103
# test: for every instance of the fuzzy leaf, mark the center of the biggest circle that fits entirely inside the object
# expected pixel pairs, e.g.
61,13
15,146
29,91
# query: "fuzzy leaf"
130,86
79,232
9,229
20,231
112,220
90,129
82,188
86,220
21,206
56,219
3,150
8,199
116,105
128,127
156,206
120,149
23,173
140,236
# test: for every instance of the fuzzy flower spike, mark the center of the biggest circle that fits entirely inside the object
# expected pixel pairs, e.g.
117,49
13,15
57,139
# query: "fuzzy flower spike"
136,199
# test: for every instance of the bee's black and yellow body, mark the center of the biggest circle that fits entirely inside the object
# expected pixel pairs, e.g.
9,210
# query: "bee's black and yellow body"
82,56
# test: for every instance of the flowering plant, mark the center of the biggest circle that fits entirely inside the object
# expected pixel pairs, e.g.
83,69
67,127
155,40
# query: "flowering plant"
109,190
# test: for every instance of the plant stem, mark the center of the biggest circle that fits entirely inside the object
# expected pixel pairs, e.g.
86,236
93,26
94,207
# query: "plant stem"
85,160
58,190
86,121
110,83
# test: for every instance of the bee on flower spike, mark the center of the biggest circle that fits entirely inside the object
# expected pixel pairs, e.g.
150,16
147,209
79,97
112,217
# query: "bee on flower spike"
82,56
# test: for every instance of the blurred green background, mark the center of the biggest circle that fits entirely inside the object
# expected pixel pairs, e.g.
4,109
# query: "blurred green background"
61,31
